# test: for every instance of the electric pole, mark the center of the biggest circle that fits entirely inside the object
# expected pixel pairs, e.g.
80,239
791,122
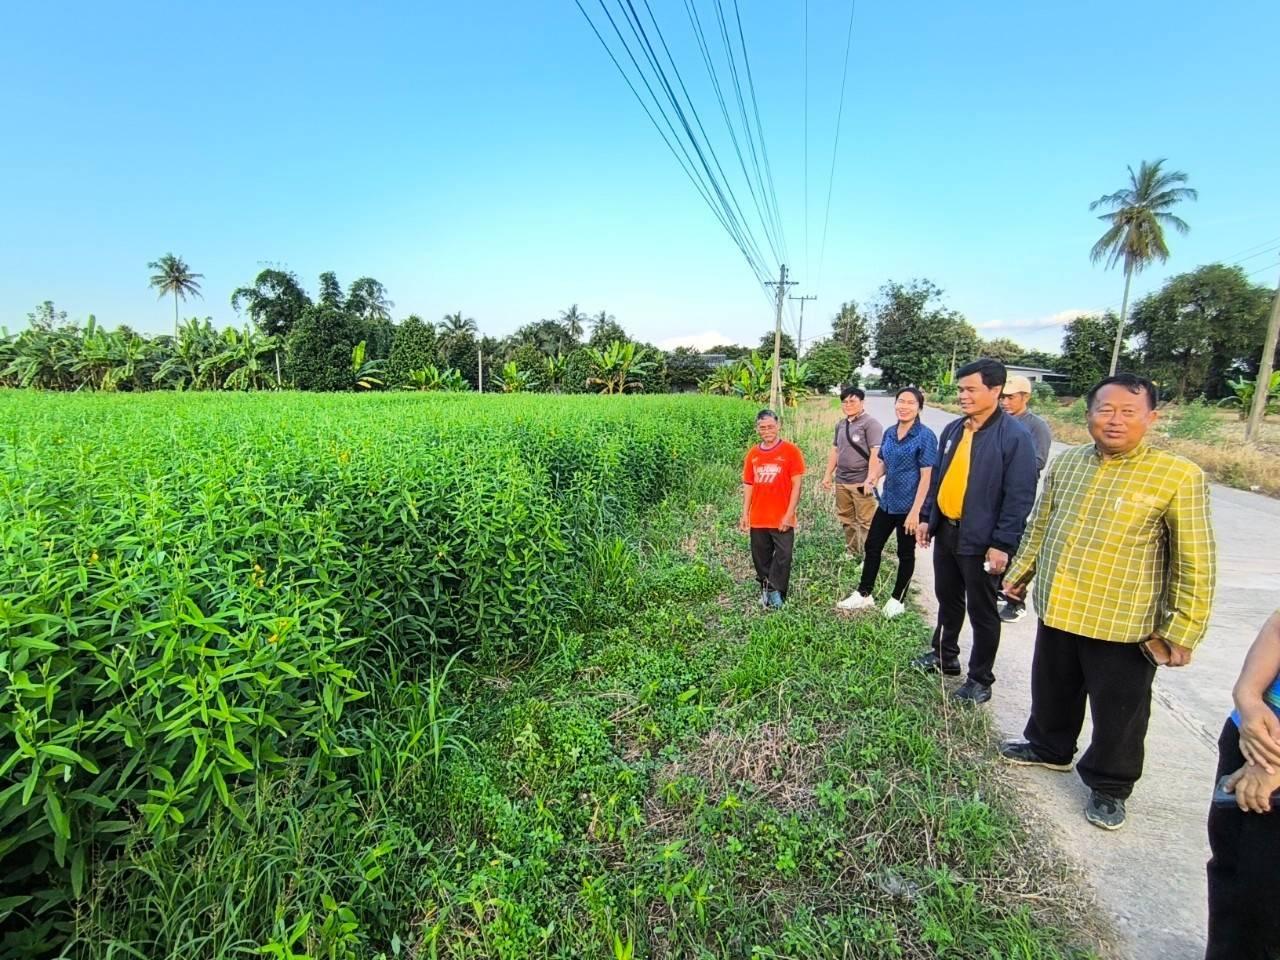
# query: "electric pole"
775,385
1259,408
800,332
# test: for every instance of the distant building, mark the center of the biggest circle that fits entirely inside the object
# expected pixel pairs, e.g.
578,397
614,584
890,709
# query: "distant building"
1038,374
714,360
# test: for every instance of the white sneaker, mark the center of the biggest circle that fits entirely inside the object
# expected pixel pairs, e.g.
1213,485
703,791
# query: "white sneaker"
847,556
855,601
893,608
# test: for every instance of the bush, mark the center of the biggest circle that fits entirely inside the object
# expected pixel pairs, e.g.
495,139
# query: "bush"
196,587
1195,421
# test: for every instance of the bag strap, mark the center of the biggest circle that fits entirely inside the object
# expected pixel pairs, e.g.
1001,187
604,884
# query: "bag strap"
858,448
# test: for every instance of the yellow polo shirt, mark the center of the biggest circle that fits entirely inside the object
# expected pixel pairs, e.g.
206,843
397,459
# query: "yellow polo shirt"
956,480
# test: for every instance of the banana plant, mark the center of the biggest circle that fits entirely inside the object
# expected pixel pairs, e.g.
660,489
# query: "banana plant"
367,373
1244,389
514,380
619,367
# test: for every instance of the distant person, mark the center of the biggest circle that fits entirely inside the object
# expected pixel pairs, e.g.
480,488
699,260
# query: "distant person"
853,451
1244,871
906,457
1015,400
981,490
1122,544
771,476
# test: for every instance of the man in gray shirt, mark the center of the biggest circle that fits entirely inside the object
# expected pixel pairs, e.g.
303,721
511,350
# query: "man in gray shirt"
1015,400
851,469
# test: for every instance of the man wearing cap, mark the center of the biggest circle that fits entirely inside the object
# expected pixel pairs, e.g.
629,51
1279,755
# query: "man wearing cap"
1015,400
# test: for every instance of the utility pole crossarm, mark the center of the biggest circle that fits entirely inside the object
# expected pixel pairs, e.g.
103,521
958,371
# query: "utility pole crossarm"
800,332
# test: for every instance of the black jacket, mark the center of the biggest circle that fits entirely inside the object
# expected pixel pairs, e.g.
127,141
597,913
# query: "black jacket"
1001,488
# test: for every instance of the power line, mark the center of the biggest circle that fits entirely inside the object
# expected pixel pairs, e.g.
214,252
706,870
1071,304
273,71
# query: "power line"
730,205
835,146
1260,253
700,35
731,57
764,146
723,211
1254,247
806,137
685,162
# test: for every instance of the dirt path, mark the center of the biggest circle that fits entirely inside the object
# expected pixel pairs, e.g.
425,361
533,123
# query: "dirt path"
1150,875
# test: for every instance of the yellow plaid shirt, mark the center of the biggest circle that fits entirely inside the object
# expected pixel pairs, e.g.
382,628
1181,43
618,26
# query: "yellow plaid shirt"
1122,548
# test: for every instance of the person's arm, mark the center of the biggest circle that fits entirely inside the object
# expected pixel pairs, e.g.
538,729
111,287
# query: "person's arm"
928,509
744,523
1043,438
875,468
830,473
1259,725
789,519
1019,481
1192,569
1023,568
912,523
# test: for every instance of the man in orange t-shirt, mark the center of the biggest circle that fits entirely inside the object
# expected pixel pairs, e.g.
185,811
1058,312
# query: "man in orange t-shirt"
771,477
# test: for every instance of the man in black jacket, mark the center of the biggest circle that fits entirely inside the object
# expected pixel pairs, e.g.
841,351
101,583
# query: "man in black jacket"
983,487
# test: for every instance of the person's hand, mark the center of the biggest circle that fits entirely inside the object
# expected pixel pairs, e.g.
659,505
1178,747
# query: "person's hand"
827,484
922,535
1253,787
1260,737
997,561
1014,591
788,522
912,523
1168,654
744,523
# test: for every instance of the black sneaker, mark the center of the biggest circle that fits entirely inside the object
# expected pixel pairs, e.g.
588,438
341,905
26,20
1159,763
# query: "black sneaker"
1012,611
1024,754
1104,811
930,662
971,691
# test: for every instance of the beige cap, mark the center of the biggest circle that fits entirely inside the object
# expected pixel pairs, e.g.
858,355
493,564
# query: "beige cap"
1016,383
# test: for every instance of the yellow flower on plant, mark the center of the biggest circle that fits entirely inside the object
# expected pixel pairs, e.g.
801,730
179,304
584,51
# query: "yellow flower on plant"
93,557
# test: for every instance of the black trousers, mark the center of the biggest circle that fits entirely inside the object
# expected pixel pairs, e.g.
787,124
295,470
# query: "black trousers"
771,554
883,524
961,585
1244,872
1116,678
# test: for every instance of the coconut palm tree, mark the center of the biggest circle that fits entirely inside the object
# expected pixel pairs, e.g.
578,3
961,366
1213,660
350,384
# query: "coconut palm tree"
1139,214
172,275
455,325
571,320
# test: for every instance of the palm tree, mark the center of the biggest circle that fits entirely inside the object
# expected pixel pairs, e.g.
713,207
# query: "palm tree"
172,275
571,320
1139,214
455,325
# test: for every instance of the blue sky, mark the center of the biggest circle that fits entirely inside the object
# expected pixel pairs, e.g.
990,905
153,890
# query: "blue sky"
487,158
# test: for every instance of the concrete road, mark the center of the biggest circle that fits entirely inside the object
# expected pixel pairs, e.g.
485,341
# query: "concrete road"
1150,875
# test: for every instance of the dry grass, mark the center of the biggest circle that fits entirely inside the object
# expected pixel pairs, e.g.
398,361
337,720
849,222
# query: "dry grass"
1222,453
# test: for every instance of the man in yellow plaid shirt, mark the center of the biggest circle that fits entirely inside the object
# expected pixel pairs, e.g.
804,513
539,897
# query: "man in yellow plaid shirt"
1122,545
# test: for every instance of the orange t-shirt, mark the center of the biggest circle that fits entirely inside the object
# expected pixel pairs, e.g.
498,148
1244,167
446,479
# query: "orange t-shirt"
770,473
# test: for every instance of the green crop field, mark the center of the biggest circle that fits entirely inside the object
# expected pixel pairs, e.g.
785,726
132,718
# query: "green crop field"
306,676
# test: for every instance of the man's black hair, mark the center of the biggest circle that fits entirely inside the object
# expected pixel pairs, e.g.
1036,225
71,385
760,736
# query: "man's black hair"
766,412
1131,382
847,392
992,372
